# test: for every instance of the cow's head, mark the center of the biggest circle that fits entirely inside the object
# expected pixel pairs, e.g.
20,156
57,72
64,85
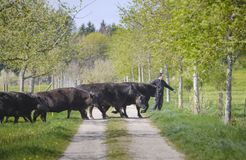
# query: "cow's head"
141,101
93,99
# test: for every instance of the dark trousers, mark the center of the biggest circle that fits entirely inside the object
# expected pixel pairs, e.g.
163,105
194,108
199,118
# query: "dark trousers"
158,102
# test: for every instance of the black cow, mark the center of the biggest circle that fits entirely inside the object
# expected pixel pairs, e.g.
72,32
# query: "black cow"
17,104
147,90
117,95
97,89
62,99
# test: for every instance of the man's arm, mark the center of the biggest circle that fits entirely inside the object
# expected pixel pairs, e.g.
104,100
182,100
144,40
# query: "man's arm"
167,86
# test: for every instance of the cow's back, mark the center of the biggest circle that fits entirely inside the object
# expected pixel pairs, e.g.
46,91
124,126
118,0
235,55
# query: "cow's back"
63,98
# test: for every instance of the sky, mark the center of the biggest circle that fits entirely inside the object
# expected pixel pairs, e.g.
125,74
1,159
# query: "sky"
97,11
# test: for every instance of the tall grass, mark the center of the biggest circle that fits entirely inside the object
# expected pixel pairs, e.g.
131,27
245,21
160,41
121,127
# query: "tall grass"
39,140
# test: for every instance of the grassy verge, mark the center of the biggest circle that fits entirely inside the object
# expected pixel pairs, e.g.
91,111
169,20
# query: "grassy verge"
201,137
117,140
39,140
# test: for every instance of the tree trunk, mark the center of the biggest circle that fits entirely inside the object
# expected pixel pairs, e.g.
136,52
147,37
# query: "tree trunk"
31,84
149,67
228,90
245,108
53,81
167,81
132,70
22,80
142,73
62,80
220,104
180,90
5,76
139,73
196,108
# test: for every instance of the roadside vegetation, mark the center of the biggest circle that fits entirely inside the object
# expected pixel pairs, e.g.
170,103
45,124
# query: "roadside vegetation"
38,140
204,136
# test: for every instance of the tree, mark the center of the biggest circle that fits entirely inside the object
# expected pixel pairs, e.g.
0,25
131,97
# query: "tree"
82,30
103,28
90,28
29,31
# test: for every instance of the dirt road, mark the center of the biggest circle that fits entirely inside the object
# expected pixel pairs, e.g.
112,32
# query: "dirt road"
146,142
88,143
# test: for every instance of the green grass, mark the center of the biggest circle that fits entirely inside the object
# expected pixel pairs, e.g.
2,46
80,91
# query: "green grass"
201,137
39,140
117,139
37,88
204,136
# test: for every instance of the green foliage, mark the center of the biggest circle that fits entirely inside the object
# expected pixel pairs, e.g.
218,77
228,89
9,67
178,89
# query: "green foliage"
103,71
39,140
95,44
126,51
85,30
194,33
29,31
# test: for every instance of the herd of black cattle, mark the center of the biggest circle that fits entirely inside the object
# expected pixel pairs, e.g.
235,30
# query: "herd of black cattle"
100,95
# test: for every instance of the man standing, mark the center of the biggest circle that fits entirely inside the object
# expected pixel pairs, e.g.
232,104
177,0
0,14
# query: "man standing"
160,84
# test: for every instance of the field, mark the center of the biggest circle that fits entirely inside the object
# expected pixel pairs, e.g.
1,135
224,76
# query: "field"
205,137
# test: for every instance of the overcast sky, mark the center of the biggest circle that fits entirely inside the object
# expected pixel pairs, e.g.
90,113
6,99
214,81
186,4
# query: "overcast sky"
99,10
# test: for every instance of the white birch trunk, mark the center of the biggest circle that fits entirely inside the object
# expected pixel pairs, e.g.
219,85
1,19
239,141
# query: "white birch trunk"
196,108
139,73
167,81
21,80
132,70
142,73
31,84
53,81
149,67
228,90
180,90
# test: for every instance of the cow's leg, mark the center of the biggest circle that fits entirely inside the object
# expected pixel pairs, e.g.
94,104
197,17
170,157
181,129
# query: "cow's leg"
115,112
138,109
122,115
43,116
7,119
106,108
26,119
90,112
36,114
102,110
68,113
1,118
124,108
144,111
16,119
83,114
